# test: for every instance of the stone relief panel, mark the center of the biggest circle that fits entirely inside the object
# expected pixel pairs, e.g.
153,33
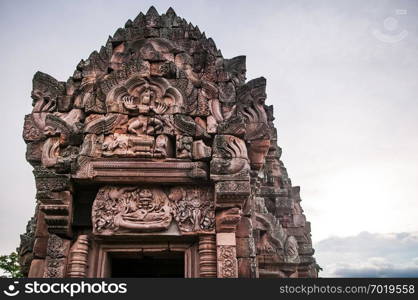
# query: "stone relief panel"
193,209
56,258
133,209
144,95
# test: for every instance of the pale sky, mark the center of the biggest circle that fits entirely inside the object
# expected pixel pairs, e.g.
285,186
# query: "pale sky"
342,76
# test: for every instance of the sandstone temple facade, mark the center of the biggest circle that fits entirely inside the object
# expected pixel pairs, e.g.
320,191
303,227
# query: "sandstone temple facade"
157,158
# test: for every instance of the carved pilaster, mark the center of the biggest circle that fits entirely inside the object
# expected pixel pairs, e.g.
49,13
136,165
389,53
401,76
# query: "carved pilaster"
77,266
56,258
226,224
226,255
207,253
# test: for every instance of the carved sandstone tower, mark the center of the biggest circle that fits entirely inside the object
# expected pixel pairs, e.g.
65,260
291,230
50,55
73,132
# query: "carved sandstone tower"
158,159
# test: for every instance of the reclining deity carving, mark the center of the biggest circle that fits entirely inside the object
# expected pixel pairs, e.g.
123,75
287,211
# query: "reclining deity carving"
132,209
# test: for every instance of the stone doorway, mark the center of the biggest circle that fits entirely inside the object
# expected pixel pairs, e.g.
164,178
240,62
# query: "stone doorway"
154,259
165,264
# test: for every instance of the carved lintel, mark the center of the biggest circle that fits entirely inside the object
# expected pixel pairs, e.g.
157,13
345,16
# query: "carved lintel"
207,254
131,210
123,210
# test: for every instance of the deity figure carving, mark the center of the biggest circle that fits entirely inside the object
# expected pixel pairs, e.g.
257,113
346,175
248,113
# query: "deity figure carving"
132,209
144,95
194,209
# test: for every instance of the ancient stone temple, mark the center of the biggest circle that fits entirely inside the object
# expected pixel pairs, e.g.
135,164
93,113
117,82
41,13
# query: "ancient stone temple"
157,158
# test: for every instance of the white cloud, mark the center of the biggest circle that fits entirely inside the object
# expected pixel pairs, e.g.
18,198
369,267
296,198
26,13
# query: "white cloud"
369,255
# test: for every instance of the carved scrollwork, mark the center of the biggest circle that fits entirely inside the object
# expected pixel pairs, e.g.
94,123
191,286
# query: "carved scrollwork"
227,262
130,209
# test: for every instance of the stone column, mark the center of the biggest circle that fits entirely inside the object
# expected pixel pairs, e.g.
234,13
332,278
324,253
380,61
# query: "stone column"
207,254
77,265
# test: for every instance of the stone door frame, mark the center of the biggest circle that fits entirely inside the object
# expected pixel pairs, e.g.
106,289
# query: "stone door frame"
99,257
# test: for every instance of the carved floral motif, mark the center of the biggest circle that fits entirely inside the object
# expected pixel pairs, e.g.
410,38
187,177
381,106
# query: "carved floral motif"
227,262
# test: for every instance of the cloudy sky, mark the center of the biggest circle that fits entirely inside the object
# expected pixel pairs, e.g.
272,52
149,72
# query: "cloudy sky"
342,76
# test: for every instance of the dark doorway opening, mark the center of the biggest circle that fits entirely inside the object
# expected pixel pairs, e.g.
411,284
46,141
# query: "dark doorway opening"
167,264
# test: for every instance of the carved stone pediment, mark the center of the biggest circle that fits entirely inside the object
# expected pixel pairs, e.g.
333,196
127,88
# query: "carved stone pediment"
131,209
